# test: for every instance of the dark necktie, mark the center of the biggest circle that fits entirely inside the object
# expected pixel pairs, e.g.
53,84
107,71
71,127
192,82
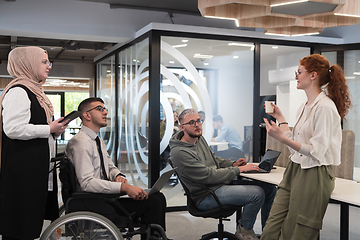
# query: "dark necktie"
97,139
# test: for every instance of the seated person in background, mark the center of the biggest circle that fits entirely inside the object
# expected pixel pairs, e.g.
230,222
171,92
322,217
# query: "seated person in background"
95,176
165,154
202,115
230,135
199,168
176,125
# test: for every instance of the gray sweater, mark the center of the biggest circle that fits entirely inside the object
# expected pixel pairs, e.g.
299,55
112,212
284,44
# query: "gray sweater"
198,167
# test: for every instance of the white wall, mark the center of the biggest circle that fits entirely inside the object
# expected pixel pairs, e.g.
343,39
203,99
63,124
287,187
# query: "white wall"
235,94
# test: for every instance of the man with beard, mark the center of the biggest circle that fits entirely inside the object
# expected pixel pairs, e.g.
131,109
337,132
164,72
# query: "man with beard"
199,168
97,173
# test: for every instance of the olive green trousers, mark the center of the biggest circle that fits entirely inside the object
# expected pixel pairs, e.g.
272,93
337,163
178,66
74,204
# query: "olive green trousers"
300,203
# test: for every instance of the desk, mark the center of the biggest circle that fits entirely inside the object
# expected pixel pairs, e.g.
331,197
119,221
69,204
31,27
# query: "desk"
346,193
218,146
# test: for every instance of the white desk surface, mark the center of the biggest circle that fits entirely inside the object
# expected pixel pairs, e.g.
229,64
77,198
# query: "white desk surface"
346,191
218,143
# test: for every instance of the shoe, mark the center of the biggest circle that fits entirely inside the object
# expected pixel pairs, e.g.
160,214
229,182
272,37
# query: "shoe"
244,234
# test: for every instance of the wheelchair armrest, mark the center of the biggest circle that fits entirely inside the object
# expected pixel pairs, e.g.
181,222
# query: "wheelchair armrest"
95,195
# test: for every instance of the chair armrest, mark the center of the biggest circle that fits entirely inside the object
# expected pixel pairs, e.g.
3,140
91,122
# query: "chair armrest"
95,195
210,192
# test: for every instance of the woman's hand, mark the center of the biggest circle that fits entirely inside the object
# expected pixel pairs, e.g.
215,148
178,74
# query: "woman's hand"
277,114
273,130
57,128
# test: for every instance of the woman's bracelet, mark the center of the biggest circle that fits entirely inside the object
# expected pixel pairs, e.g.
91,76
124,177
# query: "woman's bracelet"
282,123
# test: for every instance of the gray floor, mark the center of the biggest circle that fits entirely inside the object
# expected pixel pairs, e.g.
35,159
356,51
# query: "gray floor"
183,226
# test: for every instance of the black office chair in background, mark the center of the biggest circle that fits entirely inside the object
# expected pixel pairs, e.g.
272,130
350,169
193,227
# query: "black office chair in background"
221,213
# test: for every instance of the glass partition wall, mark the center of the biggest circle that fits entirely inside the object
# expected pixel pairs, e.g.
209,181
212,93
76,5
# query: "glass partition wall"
146,80
212,76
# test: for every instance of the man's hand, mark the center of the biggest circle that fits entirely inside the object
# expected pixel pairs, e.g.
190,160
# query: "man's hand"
249,167
240,162
120,178
134,192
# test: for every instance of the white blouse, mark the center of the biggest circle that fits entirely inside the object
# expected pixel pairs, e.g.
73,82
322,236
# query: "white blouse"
16,116
318,129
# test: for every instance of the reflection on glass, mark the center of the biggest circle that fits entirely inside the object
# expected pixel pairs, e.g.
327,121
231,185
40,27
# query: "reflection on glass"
133,111
352,75
106,91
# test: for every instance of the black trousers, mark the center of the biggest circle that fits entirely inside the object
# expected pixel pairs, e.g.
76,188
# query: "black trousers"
151,210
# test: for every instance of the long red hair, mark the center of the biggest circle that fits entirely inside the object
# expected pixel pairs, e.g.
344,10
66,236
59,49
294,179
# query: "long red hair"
332,79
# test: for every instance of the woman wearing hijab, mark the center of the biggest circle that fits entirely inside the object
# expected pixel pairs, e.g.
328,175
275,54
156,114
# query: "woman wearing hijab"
28,193
315,142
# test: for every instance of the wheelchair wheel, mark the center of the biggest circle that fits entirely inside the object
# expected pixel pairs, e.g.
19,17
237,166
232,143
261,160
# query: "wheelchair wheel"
82,226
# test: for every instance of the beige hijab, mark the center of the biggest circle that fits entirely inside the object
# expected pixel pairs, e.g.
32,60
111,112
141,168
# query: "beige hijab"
23,65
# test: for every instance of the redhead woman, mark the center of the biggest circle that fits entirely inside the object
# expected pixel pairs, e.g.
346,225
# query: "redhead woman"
28,193
314,143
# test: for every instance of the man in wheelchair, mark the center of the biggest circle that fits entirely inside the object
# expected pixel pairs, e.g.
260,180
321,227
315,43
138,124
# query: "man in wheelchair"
97,173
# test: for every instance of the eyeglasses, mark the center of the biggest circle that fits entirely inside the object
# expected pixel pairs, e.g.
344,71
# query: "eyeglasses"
99,108
192,123
46,62
298,73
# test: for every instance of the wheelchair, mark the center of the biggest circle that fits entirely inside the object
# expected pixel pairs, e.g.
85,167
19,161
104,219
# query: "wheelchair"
93,215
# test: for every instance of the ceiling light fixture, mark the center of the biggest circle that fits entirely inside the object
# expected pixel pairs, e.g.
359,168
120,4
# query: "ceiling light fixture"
274,47
305,34
277,34
287,3
284,17
347,15
225,18
198,55
184,40
179,46
252,46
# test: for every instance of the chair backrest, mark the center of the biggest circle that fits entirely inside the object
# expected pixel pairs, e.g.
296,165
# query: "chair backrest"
68,178
344,170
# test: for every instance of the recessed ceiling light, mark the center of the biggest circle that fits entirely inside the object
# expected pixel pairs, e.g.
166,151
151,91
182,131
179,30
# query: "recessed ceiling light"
252,46
184,40
172,62
356,73
235,57
206,64
274,47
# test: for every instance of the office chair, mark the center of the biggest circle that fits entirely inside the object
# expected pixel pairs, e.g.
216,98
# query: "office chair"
104,204
221,213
